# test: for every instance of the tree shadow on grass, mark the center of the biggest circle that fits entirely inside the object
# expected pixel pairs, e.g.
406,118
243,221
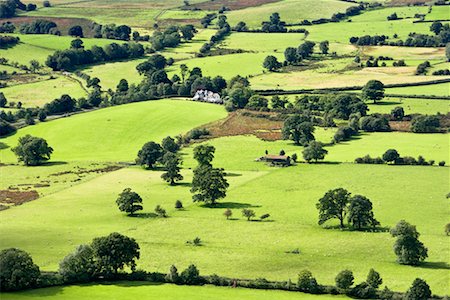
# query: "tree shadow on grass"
232,174
435,265
52,163
144,215
230,205
3,146
325,163
186,184
349,228
386,103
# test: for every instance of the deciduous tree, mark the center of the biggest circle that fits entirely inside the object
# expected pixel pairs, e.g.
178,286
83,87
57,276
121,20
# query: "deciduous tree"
32,150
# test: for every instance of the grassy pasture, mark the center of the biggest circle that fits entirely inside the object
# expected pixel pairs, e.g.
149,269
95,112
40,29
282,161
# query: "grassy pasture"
117,133
291,11
407,53
247,249
40,46
411,106
123,290
441,89
41,92
261,42
439,13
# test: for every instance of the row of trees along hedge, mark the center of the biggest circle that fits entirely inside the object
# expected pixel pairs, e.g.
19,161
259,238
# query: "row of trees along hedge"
7,27
106,258
8,8
337,17
8,41
75,56
224,30
440,39
39,26
392,156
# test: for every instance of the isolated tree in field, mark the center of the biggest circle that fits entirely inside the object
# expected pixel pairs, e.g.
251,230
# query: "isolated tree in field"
306,49
191,276
374,279
407,247
419,290
324,47
333,205
161,212
34,65
344,279
204,154
172,167
314,151
360,213
373,90
228,213
398,113
3,100
76,31
129,201
78,266
248,213
17,270
32,150
76,44
123,85
391,155
169,145
178,204
271,63
209,184
188,31
150,153
299,129
307,283
436,27
290,55
115,251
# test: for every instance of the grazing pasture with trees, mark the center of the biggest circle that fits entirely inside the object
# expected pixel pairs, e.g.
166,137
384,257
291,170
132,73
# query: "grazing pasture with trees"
256,149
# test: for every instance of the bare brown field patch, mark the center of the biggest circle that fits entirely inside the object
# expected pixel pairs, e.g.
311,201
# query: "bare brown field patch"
14,197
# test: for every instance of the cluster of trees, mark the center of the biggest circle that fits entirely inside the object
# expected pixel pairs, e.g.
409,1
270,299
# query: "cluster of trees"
422,68
337,17
224,30
32,151
171,37
206,20
407,247
39,26
8,8
368,40
274,24
314,151
392,156
209,184
299,128
8,41
443,72
425,124
153,153
339,204
69,59
247,213
7,27
111,31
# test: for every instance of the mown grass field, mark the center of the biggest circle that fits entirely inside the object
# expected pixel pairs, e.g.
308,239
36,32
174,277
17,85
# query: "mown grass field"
291,11
441,89
241,248
41,92
123,290
117,133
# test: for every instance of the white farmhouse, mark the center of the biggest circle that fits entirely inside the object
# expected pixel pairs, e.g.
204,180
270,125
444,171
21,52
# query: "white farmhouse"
207,96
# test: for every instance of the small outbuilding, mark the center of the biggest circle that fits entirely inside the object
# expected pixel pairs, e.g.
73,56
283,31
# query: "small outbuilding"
207,96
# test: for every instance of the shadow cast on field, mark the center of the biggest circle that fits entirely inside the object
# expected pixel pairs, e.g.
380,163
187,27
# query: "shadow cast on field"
53,163
352,229
230,205
3,146
232,174
186,184
144,215
435,265
386,103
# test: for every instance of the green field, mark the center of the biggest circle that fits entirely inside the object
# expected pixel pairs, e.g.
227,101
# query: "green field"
291,11
123,290
411,106
117,133
41,92
442,89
